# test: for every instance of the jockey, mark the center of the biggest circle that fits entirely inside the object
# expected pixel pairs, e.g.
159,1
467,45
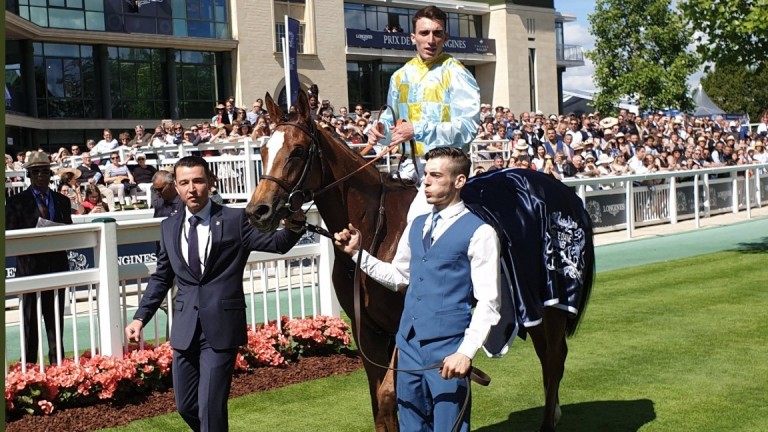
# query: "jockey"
436,96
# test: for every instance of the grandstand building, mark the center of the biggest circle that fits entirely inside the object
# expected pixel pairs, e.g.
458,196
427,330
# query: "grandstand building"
74,67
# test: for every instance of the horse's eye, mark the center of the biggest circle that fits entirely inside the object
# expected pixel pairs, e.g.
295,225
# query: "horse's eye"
296,153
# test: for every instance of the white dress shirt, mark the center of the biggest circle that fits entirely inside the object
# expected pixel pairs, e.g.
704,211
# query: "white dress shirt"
203,234
483,253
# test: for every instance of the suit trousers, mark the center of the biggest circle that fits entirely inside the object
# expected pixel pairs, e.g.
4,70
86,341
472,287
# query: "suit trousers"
202,378
426,401
31,323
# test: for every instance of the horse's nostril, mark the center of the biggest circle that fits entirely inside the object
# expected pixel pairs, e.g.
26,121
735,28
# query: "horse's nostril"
262,210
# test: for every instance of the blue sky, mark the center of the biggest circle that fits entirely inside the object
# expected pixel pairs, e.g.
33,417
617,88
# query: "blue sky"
577,33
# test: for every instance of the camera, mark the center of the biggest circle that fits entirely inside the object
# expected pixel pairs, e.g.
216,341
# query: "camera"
326,103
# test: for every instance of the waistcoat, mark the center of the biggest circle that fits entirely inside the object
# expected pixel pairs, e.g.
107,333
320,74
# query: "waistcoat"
439,298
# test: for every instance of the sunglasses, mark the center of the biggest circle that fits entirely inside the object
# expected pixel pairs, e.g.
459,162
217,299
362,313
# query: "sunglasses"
115,158
159,189
40,171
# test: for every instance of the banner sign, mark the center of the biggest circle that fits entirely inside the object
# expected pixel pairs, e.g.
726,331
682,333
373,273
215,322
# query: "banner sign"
720,196
607,210
402,41
686,201
81,259
138,16
292,71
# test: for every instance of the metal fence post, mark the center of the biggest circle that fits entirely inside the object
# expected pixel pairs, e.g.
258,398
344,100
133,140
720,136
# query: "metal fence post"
108,294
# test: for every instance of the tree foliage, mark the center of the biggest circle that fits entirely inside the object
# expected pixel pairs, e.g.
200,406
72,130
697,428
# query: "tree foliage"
640,53
729,31
738,89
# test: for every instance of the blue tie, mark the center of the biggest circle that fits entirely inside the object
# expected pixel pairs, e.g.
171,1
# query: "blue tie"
428,236
193,250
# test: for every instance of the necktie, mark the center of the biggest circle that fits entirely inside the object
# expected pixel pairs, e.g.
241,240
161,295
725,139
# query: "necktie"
428,236
43,207
193,250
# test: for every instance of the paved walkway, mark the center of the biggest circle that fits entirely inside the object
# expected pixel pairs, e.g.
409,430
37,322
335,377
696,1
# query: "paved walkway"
666,242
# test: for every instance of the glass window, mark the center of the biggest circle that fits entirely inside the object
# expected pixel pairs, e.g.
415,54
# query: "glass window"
66,19
137,82
190,18
65,81
196,76
280,34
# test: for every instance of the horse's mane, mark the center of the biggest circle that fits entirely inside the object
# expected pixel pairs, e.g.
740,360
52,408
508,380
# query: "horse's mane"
339,144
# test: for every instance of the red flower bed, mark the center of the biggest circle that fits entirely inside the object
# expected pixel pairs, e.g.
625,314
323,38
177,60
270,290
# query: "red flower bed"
149,369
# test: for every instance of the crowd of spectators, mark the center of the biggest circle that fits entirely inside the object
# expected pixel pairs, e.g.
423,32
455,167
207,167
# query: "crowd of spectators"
589,145
564,146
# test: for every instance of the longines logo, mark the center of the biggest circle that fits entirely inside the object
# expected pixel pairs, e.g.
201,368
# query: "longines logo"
613,209
363,37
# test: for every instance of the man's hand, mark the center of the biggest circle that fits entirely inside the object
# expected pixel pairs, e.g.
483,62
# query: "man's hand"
348,240
375,133
133,330
401,133
295,222
456,365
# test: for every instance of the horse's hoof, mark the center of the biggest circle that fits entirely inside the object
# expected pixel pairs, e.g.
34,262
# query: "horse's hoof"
558,414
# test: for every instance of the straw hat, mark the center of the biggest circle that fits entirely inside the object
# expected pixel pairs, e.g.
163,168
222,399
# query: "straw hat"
37,159
609,122
75,172
604,159
521,145
577,146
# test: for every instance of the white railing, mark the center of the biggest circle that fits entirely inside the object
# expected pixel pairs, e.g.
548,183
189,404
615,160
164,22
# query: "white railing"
102,297
624,202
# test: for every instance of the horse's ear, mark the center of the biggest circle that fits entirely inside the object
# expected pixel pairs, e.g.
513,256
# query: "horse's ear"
302,106
273,108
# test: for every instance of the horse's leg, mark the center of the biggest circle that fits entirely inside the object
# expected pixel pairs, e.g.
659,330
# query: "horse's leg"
387,397
549,342
376,347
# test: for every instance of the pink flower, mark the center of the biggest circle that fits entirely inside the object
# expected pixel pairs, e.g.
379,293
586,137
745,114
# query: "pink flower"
45,406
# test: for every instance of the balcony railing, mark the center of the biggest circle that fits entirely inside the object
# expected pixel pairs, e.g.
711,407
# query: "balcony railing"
570,55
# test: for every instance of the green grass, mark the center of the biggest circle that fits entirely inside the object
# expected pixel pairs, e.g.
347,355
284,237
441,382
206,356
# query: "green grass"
676,346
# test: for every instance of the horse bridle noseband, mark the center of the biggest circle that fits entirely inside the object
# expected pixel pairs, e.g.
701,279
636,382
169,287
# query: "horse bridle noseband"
474,374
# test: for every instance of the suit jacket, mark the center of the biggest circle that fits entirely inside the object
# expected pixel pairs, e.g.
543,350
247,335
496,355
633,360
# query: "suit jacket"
21,212
217,297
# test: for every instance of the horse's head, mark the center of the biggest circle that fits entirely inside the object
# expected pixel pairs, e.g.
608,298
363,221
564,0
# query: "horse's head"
287,160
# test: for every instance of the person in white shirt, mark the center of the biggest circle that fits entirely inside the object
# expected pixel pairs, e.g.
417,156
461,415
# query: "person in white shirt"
445,258
107,144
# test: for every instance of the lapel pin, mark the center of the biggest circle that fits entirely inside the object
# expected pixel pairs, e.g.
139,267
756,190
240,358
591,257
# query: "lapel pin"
218,222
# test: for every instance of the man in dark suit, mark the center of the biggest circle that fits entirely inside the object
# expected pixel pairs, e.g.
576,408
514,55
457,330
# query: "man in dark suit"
23,211
204,248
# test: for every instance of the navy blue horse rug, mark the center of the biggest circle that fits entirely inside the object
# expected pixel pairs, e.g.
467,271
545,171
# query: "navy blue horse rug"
547,253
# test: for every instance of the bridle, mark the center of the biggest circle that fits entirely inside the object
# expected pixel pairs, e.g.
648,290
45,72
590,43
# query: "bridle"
315,151
298,188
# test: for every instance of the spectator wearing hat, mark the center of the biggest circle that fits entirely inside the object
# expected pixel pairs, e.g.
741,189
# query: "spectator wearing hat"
604,164
521,148
590,166
23,210
220,117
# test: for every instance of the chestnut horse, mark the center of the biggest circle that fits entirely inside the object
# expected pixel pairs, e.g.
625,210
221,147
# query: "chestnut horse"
301,161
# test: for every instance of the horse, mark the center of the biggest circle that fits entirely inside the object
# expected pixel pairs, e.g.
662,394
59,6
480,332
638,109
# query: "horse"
305,163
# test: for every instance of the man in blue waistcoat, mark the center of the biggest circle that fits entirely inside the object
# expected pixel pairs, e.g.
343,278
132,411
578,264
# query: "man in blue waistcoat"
447,258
